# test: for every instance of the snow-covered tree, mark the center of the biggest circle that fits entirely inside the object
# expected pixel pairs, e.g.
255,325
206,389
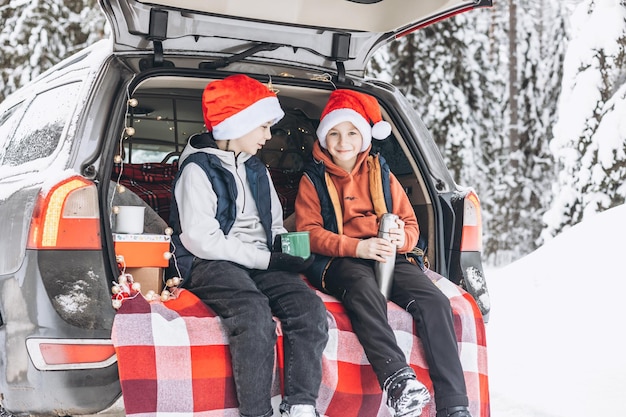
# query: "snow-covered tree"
522,190
590,135
438,69
37,34
491,109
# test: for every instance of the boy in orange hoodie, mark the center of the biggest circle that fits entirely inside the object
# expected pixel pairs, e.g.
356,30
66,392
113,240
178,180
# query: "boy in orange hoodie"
340,200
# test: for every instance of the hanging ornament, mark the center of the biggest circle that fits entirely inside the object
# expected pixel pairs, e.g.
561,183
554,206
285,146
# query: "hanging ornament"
130,131
120,290
117,159
133,102
172,282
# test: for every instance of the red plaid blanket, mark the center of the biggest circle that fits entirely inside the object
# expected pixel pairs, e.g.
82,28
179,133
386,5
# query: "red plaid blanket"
173,358
150,181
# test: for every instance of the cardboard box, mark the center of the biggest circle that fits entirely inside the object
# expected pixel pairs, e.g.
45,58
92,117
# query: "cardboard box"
150,278
142,249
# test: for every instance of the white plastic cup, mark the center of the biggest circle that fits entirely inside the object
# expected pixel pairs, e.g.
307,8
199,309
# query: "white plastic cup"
129,219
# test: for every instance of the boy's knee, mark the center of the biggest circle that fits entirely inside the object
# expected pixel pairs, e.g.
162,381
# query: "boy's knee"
319,314
312,307
366,290
252,316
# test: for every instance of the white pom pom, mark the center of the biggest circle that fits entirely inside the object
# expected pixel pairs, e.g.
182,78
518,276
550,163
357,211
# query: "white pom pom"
381,130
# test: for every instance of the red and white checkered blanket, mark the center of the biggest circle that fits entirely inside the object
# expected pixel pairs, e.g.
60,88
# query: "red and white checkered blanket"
173,358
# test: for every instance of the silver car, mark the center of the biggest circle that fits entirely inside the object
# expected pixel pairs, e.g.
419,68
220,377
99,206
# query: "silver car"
119,113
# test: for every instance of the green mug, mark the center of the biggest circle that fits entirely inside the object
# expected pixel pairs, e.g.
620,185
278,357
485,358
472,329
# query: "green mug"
296,244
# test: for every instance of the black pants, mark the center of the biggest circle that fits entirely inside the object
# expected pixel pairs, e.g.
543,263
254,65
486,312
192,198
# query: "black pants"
352,281
246,300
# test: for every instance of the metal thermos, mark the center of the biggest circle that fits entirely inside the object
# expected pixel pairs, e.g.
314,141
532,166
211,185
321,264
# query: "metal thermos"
384,271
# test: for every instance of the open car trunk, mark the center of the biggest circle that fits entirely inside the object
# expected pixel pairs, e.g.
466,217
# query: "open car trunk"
324,33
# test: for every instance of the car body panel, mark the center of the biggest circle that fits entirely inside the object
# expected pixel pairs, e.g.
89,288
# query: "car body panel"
315,33
32,311
39,172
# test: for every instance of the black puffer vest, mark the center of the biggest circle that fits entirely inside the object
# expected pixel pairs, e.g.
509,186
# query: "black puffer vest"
316,172
225,187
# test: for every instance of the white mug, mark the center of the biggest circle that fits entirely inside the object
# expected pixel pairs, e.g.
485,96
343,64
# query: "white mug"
129,219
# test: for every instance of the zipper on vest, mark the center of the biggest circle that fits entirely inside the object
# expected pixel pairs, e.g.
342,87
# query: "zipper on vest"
243,185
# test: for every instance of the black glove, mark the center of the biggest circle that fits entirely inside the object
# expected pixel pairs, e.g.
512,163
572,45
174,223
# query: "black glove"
285,262
277,246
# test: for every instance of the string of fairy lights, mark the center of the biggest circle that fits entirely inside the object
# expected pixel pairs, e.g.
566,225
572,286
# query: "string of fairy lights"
125,287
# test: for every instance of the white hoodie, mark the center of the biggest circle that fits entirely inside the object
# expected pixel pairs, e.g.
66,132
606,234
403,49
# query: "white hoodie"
245,243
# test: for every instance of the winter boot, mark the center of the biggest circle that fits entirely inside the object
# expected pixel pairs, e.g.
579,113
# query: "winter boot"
458,411
299,410
407,398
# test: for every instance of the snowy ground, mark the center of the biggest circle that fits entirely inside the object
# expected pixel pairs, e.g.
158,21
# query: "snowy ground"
556,335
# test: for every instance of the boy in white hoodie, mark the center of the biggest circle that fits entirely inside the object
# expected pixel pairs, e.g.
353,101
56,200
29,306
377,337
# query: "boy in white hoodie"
226,215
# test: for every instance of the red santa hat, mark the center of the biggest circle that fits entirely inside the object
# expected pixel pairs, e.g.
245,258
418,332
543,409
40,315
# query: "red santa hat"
237,105
362,110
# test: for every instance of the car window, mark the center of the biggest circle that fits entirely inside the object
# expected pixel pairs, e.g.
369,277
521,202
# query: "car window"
8,123
162,125
41,126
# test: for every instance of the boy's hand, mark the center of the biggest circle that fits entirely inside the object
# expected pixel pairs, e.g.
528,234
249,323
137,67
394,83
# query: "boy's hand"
397,235
375,248
285,262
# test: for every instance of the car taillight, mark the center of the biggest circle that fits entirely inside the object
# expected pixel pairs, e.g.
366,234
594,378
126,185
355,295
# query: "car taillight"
67,217
472,238
63,354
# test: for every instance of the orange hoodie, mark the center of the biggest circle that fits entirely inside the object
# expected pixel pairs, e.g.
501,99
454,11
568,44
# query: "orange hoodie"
359,218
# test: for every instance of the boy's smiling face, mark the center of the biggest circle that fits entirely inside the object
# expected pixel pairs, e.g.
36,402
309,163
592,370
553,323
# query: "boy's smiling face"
344,142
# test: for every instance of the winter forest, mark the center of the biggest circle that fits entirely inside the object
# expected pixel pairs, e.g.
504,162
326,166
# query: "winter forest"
524,100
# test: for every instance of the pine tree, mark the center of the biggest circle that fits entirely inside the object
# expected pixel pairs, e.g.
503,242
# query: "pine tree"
447,71
37,34
522,190
433,67
589,142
